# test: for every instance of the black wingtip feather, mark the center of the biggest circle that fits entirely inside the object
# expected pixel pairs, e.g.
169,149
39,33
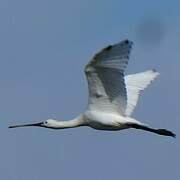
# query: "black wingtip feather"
108,48
126,41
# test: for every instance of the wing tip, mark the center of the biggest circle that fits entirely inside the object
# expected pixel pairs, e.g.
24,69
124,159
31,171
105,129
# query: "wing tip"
108,48
127,41
155,72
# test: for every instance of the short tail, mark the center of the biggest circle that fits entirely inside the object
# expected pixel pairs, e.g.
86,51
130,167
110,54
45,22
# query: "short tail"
163,132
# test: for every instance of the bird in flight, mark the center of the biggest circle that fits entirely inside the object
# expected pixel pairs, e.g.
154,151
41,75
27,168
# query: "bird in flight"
112,95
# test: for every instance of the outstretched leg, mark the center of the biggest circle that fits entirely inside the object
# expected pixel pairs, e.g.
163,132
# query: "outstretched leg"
162,132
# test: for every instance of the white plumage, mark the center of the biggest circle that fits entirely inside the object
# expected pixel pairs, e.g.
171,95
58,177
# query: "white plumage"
112,96
135,83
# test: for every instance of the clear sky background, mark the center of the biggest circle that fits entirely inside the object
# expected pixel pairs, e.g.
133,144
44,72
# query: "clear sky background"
44,45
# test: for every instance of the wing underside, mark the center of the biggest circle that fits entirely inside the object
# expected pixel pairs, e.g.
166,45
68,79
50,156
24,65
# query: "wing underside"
135,83
105,76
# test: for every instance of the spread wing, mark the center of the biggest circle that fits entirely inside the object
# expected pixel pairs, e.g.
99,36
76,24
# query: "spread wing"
105,76
135,83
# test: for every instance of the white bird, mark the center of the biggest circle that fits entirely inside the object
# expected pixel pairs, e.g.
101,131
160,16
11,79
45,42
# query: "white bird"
112,96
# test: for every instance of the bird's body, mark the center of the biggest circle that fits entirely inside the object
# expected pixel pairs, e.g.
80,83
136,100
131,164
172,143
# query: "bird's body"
112,96
107,121
104,121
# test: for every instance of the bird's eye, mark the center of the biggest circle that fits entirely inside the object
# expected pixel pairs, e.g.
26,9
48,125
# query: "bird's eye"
45,122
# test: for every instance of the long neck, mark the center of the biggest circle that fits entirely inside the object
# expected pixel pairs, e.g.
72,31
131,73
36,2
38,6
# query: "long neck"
76,122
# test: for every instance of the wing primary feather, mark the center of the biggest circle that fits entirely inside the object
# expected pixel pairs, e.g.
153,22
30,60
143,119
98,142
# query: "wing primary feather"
105,76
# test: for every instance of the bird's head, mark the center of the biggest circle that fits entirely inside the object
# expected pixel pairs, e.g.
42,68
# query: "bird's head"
46,124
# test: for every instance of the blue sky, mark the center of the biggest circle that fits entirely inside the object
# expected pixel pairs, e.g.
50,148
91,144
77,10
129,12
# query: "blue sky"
44,46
